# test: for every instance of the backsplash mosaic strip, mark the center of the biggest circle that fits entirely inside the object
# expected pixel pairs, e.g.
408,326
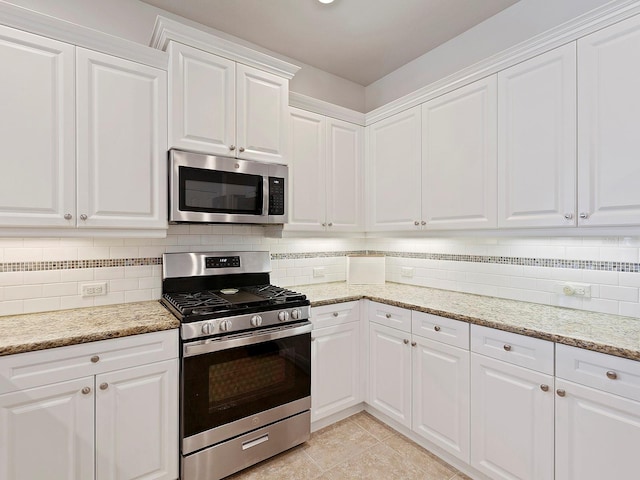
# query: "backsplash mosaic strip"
606,266
77,264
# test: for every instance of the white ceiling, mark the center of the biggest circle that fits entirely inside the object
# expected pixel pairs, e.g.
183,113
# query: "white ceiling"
360,40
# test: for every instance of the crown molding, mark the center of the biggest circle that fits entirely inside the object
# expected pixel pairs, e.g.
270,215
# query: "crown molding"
166,30
33,22
565,33
321,107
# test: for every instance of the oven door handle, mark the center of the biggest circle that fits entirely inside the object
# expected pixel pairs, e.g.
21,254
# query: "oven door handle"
215,345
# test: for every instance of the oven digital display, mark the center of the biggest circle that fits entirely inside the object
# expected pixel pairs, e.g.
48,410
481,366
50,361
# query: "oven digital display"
221,262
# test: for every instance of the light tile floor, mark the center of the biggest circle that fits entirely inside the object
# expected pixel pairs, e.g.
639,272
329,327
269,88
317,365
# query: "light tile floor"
359,447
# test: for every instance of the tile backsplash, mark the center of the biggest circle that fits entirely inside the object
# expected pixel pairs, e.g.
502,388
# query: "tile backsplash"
48,273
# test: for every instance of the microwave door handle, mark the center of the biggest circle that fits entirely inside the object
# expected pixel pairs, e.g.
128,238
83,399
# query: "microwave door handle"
265,196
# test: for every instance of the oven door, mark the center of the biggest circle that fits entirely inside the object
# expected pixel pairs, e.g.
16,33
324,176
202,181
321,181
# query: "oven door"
242,382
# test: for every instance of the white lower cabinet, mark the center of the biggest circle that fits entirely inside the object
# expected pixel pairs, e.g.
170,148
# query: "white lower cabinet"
336,380
110,424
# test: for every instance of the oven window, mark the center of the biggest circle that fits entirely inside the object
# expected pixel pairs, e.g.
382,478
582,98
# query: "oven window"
215,191
228,385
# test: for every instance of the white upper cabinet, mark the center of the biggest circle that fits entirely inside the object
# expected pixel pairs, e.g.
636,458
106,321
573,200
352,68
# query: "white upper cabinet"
121,139
459,158
537,141
202,109
608,125
326,173
221,107
37,130
394,157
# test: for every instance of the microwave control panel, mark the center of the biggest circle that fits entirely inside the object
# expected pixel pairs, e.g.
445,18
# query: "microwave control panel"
276,196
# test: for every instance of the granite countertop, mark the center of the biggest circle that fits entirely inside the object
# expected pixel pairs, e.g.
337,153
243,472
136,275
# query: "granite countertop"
612,334
37,331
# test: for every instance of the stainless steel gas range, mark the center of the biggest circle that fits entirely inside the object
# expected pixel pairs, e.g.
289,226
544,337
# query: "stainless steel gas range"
245,362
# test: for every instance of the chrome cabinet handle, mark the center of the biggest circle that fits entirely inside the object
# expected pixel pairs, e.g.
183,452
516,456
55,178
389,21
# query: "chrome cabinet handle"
324,224
437,328
584,215
95,359
568,216
406,341
544,388
507,348
612,375
68,216
232,147
416,223
335,314
104,386
83,217
561,392
413,344
241,149
86,391
313,339
330,224
423,222
388,315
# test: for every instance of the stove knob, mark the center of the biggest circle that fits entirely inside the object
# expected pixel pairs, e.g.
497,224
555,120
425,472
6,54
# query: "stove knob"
225,325
295,314
207,328
256,320
283,316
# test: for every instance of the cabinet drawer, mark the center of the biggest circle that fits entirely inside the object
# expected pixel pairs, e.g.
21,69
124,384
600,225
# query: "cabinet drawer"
337,314
510,347
394,317
620,376
445,330
31,369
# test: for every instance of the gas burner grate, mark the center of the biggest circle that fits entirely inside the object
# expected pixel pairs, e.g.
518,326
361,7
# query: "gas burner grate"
187,303
272,292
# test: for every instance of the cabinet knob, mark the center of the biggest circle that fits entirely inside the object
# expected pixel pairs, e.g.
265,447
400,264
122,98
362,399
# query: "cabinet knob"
241,149
561,392
416,223
232,147
507,348
406,341
83,217
584,215
330,224
437,328
568,216
86,391
413,344
68,216
95,359
612,375
335,314
324,224
388,315
423,223
104,386
544,388
313,339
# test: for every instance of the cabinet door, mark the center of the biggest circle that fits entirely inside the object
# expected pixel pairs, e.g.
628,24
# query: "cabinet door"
262,101
537,141
335,379
37,130
390,372
441,395
512,418
47,432
137,422
344,176
597,434
394,147
459,158
202,107
307,175
608,140
122,162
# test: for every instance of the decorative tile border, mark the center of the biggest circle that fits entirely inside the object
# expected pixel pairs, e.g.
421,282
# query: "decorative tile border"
526,261
76,264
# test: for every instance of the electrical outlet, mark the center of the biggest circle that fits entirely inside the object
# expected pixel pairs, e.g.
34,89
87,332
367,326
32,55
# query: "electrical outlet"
94,289
575,289
318,272
406,272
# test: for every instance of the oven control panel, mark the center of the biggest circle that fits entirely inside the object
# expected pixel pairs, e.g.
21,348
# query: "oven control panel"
222,262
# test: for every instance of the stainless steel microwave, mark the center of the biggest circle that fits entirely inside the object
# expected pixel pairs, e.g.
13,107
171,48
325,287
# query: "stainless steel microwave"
209,189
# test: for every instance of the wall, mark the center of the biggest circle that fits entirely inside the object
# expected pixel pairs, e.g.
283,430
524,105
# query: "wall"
513,25
134,20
